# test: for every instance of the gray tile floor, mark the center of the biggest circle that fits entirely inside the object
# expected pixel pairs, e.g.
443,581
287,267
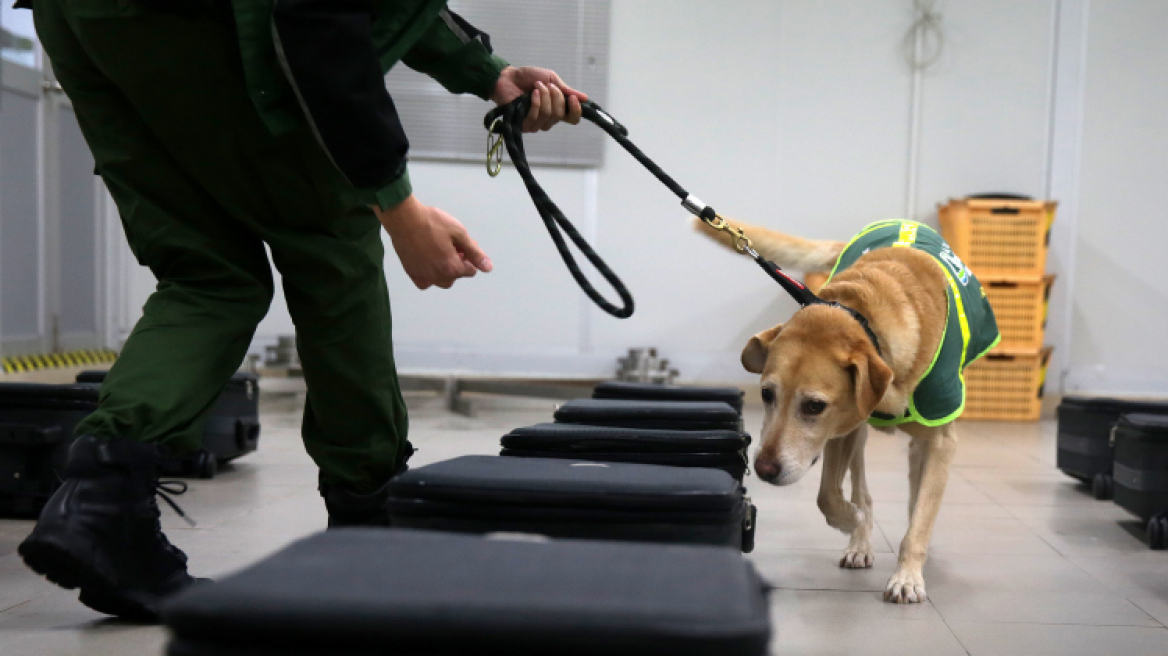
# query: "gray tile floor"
1023,561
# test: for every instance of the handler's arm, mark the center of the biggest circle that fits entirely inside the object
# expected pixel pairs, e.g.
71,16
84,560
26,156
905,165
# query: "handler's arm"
459,56
326,50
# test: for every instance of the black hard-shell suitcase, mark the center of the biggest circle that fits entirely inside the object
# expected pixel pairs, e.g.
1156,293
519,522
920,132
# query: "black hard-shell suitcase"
574,499
717,449
36,427
668,415
351,592
232,428
1141,472
1084,437
620,389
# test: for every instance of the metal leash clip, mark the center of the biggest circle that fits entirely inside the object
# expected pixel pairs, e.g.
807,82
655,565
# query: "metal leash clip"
742,243
495,148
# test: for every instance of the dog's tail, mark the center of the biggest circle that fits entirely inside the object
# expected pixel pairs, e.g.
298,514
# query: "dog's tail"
789,252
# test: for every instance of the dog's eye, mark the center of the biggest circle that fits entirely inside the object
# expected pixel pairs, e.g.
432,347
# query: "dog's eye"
813,407
768,395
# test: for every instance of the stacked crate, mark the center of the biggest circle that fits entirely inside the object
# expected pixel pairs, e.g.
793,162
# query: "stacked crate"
1004,243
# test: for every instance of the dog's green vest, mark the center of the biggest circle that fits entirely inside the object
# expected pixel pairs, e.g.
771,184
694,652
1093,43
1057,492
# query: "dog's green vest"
970,327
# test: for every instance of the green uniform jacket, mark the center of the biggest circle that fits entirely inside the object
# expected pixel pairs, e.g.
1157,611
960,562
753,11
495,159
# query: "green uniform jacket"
420,33
970,327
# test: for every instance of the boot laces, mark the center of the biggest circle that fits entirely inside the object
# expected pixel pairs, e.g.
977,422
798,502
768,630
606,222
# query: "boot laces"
165,489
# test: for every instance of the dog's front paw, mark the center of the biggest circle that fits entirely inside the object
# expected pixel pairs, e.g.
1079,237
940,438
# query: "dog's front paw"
858,558
906,586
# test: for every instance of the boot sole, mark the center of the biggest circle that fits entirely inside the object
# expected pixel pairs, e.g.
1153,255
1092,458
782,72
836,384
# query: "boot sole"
61,566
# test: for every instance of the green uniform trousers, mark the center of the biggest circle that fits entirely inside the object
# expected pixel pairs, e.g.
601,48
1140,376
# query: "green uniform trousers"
202,186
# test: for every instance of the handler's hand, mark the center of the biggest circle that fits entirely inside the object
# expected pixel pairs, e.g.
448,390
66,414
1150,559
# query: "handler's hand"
434,248
552,101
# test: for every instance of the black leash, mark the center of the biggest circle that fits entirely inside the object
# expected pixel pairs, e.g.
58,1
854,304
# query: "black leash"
506,121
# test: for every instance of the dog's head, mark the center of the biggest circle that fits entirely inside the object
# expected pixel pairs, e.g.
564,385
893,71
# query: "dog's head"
821,378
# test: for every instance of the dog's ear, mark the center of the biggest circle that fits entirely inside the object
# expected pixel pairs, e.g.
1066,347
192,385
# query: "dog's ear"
754,356
871,377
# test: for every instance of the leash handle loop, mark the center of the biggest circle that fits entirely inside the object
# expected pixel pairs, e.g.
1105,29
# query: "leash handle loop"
507,122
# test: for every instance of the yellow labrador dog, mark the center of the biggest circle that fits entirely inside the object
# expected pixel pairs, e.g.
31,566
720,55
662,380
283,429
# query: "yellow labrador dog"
825,378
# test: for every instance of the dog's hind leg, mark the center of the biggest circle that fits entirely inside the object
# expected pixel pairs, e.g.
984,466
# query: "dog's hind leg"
859,552
930,456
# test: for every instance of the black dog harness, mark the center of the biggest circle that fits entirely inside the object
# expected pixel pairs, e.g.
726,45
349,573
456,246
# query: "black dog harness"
505,127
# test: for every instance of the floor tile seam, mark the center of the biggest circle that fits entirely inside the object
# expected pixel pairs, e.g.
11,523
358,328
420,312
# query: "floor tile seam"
993,500
866,593
797,549
1107,586
966,520
1011,469
884,535
810,550
1034,531
1158,627
1064,555
1137,605
1039,505
852,590
1121,589
18,605
948,628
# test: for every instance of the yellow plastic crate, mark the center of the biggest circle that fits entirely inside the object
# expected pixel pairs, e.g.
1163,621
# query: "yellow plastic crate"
999,238
1020,306
1006,385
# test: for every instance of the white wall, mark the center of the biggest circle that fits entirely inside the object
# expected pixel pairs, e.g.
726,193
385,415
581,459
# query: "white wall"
797,114
985,112
1120,305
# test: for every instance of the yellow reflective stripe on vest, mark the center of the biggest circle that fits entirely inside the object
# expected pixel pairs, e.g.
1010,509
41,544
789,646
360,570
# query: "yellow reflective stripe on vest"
963,322
908,234
871,226
961,317
960,310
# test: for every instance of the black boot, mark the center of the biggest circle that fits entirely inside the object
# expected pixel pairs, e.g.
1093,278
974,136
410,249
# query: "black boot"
347,508
100,531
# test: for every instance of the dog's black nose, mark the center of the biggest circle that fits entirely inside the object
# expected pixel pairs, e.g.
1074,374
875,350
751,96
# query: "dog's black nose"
767,469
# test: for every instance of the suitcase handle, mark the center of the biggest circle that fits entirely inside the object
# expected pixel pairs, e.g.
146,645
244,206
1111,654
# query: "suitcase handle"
247,432
748,524
30,434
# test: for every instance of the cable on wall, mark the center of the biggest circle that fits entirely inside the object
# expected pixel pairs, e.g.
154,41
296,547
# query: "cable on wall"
925,40
922,47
